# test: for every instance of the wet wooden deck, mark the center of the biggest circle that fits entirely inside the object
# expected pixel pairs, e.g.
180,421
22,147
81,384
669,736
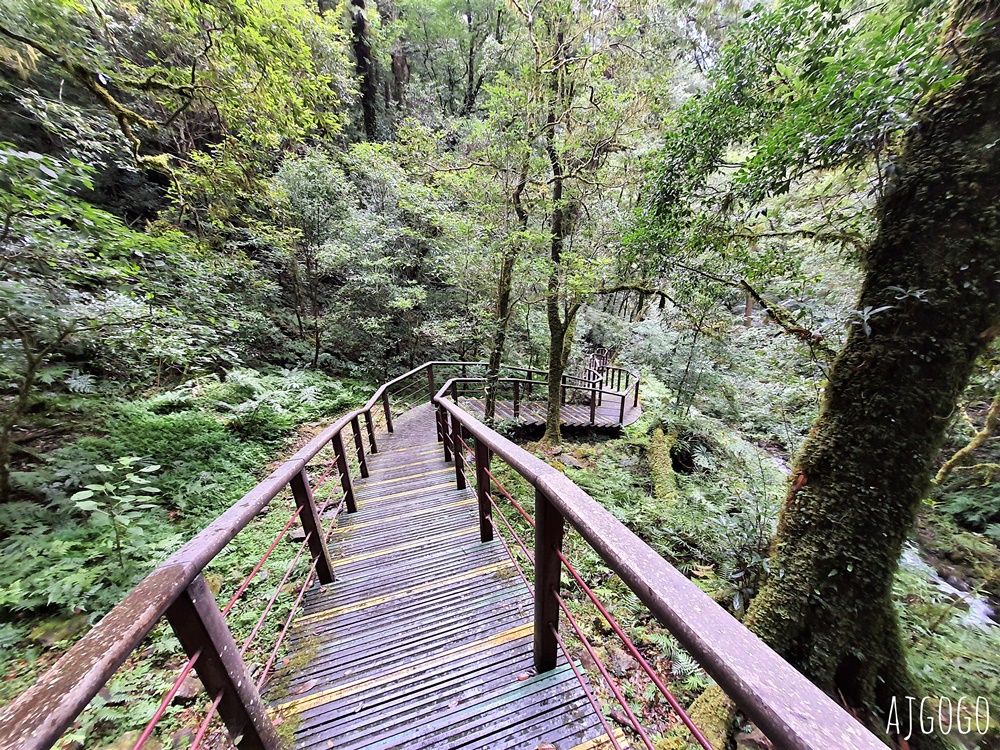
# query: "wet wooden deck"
425,638
532,413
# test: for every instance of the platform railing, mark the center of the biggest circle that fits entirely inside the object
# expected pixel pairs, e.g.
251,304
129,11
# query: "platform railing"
792,712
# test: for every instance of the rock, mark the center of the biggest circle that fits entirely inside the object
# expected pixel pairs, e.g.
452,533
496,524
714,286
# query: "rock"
127,742
570,461
52,632
621,663
265,510
182,738
189,691
295,536
752,740
557,450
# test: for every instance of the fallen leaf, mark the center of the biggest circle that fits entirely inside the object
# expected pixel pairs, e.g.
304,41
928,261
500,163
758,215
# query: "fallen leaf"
306,686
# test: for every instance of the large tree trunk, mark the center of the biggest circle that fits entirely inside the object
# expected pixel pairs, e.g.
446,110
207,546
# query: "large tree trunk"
867,462
366,68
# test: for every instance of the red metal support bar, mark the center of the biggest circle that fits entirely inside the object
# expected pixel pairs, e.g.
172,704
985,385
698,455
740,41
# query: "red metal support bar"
312,526
483,491
345,475
588,646
167,699
276,593
548,543
260,564
359,447
199,626
586,689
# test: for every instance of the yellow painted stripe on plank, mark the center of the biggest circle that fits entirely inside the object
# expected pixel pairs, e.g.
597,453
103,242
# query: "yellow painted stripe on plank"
428,488
416,449
389,519
409,545
404,477
604,742
358,686
403,593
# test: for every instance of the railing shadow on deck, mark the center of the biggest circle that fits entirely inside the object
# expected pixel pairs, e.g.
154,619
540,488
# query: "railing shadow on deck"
788,708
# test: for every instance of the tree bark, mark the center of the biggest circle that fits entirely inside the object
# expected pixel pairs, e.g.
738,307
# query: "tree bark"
364,65
867,462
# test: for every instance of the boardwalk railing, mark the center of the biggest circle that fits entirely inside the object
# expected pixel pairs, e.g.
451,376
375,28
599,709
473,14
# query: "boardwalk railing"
178,590
791,711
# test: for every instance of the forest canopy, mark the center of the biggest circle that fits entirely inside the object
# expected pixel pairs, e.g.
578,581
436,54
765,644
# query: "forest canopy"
221,220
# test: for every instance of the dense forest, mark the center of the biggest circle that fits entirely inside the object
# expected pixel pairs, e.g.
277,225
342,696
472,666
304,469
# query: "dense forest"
223,222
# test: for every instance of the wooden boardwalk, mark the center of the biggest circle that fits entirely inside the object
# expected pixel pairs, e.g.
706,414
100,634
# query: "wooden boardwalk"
425,638
532,413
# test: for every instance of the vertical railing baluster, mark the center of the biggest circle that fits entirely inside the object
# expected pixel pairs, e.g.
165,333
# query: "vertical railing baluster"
457,452
388,410
483,491
517,400
548,569
312,525
621,412
430,382
345,474
370,427
636,401
442,420
593,403
199,626
359,446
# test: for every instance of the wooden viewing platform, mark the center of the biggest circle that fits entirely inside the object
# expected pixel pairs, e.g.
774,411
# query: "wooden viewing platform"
533,413
425,638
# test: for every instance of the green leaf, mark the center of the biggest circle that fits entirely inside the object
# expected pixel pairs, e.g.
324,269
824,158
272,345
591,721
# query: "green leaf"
82,495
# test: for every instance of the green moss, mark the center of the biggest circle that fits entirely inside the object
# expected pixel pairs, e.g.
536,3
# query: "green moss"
661,465
713,713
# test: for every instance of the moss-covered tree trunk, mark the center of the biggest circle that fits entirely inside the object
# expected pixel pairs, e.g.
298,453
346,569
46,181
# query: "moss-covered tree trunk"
867,462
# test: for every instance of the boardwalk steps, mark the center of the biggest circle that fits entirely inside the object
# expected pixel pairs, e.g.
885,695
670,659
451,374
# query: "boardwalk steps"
425,638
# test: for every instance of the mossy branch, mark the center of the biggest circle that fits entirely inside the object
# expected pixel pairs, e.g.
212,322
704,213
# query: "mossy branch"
784,318
91,81
962,455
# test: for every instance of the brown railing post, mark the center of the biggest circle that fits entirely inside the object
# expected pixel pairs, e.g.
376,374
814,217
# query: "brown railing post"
442,425
636,401
621,412
593,404
457,452
312,525
345,475
370,427
200,626
517,400
562,390
431,390
548,569
359,446
483,491
388,411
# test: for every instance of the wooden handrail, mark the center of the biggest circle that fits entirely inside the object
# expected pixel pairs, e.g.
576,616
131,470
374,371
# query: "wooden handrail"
791,711
40,715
